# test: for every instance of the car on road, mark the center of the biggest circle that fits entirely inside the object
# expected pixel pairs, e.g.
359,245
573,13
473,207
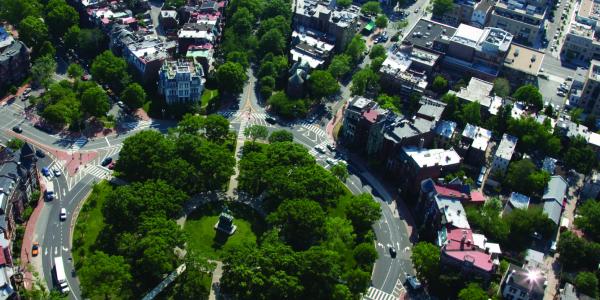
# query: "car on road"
35,249
56,172
63,214
560,94
331,161
17,129
106,161
320,149
270,120
46,171
40,153
393,252
413,282
331,147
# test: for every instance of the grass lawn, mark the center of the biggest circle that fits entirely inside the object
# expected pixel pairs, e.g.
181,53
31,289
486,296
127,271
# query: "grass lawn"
207,96
90,221
211,243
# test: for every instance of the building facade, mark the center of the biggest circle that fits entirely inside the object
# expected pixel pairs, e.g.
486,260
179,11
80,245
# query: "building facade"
504,154
523,18
180,81
591,90
14,60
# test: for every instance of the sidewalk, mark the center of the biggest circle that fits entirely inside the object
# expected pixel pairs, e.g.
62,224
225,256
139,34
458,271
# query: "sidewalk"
20,91
28,240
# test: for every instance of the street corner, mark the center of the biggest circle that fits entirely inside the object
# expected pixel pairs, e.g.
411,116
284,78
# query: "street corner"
77,160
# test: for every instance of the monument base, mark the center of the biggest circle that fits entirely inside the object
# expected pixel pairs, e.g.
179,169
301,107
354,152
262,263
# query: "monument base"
229,232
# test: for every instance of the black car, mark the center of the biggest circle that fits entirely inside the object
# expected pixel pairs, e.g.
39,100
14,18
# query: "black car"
40,153
17,129
392,252
106,161
270,120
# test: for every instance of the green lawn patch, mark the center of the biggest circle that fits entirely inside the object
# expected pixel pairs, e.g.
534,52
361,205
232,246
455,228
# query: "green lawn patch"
211,243
90,222
208,100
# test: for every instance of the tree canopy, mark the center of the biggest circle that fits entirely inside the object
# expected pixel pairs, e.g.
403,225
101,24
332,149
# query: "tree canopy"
322,84
33,32
587,283
134,96
42,70
371,8
501,87
105,276
365,80
281,135
524,177
442,6
529,94
340,65
589,219
426,259
473,292
110,69
231,77
95,101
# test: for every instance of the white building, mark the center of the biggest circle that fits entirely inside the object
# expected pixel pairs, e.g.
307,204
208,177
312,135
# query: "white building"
180,81
504,153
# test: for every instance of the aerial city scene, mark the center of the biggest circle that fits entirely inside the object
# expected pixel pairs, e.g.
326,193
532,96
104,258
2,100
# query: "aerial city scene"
300,149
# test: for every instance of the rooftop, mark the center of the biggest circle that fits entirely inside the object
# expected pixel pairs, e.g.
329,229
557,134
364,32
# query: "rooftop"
181,66
526,279
487,39
480,136
507,146
477,90
556,189
432,111
426,32
453,212
445,128
316,8
524,59
432,157
518,201
521,7
360,103
310,48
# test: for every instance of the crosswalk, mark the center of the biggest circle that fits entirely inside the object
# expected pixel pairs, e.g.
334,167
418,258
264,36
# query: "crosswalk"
137,125
314,128
98,171
376,294
78,143
399,289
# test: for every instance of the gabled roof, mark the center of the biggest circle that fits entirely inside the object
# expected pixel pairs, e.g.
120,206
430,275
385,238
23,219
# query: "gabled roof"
556,189
553,209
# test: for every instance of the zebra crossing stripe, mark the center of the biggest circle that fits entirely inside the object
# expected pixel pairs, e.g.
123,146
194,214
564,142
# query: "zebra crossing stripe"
376,294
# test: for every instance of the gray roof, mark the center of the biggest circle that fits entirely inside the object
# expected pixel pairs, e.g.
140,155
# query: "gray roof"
518,200
553,209
556,189
432,111
426,32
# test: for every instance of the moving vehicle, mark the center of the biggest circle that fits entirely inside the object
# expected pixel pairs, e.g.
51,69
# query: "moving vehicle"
56,172
46,171
63,214
392,252
331,161
270,120
35,249
106,161
49,193
40,153
413,282
17,129
61,277
320,149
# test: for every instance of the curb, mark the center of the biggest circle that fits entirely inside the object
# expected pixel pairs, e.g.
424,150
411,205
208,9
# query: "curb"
28,237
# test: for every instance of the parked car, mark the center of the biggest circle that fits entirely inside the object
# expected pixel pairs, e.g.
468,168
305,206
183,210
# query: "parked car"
40,153
17,129
35,249
320,149
413,282
63,214
46,171
106,161
331,161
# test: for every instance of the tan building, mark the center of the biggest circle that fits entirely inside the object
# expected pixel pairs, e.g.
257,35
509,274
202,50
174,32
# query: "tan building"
522,65
523,18
591,90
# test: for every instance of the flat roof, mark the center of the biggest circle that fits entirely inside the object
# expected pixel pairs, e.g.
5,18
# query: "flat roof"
477,90
507,146
524,59
467,35
426,32
432,157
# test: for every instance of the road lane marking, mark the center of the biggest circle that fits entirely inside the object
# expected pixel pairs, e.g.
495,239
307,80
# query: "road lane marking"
106,139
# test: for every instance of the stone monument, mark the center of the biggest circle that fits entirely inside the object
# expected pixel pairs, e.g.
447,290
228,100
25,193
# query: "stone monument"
225,223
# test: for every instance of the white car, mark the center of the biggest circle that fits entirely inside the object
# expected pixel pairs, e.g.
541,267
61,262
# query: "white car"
63,214
320,149
414,283
331,161
56,172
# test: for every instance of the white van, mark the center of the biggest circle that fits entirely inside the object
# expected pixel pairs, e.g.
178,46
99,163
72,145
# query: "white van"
63,214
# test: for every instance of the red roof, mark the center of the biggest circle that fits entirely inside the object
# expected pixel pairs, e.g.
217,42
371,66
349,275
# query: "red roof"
477,196
480,260
371,115
460,246
454,192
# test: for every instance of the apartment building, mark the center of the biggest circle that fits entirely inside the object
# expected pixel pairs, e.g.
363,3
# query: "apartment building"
324,16
311,46
474,143
180,81
480,52
523,18
504,153
475,13
581,41
417,164
397,74
523,283
590,94
14,60
522,65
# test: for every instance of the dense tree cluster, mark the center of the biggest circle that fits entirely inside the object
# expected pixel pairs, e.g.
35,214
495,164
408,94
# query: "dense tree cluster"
531,95
534,137
112,70
589,219
196,156
577,253
461,113
524,177
579,155
321,246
